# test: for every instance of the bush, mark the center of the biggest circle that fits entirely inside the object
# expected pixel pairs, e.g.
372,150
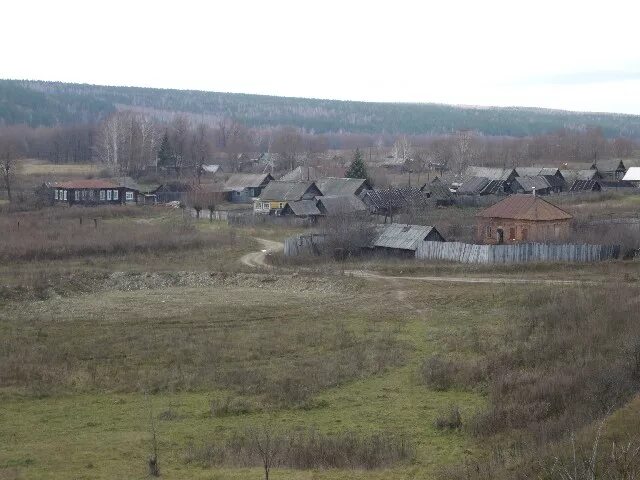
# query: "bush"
451,420
438,373
306,450
230,406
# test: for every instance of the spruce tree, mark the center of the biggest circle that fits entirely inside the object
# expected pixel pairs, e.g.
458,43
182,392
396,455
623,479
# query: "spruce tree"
357,169
165,154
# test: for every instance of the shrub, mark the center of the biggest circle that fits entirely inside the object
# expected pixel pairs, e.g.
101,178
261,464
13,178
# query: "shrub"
230,406
450,420
438,373
305,450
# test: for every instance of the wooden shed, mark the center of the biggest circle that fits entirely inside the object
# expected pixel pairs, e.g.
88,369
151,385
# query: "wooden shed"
402,239
522,218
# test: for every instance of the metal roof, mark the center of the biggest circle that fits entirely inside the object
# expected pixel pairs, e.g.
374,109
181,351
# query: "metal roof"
490,172
609,165
632,175
473,186
525,207
240,181
301,174
93,183
584,186
340,186
304,208
340,204
401,236
529,183
211,168
571,176
536,171
278,190
396,197
438,189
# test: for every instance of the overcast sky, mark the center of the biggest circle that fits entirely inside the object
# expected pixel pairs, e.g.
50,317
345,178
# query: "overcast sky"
557,54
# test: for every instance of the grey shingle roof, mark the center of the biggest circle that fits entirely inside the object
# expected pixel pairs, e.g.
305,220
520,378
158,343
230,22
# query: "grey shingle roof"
473,186
286,191
529,183
340,205
304,208
536,171
489,173
301,174
340,186
401,236
240,181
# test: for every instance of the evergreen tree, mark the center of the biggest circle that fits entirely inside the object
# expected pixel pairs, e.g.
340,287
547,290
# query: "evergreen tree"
357,169
165,154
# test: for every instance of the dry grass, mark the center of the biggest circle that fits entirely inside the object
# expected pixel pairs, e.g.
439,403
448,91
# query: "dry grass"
64,233
34,167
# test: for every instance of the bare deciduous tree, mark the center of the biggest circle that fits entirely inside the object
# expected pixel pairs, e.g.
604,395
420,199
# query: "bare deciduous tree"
11,151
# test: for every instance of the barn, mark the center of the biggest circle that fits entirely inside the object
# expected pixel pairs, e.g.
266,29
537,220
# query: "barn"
401,239
522,218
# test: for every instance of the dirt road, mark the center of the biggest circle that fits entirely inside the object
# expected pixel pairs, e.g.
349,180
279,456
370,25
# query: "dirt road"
257,259
543,281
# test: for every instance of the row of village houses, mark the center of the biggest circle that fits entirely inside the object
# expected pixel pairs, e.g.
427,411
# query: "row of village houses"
304,192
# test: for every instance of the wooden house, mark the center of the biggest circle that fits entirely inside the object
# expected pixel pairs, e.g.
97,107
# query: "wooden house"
338,205
96,192
246,187
610,169
529,185
522,218
401,239
277,194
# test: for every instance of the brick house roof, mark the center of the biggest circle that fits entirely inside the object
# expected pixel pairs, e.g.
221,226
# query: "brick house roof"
525,207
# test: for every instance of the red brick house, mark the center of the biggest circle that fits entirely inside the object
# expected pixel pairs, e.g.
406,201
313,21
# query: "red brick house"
521,219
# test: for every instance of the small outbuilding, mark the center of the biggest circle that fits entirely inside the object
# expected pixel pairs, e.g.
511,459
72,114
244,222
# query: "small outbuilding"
246,187
402,239
522,218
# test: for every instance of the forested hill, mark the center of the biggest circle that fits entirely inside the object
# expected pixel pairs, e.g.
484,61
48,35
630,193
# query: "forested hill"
39,103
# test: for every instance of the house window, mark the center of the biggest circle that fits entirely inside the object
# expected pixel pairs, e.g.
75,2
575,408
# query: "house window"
92,194
488,231
524,234
109,194
512,233
102,195
84,194
64,195
55,194
115,194
77,195
129,196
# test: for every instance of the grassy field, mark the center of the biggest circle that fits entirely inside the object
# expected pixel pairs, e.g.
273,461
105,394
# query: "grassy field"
35,167
151,302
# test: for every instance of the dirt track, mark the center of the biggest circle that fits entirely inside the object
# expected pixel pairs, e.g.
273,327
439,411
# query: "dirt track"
373,275
256,259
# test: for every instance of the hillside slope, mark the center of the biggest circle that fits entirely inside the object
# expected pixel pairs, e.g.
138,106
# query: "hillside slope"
39,103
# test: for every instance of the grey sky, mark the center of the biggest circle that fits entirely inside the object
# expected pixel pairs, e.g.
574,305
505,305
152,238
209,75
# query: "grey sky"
556,54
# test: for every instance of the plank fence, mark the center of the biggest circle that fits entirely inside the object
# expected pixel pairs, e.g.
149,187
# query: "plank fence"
520,253
310,244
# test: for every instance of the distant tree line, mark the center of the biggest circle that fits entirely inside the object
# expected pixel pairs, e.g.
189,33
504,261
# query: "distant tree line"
38,103
133,143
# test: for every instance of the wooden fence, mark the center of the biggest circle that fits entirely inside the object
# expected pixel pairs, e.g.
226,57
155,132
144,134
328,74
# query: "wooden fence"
310,244
521,253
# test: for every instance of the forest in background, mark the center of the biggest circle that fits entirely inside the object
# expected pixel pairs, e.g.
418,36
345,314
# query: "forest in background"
40,103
